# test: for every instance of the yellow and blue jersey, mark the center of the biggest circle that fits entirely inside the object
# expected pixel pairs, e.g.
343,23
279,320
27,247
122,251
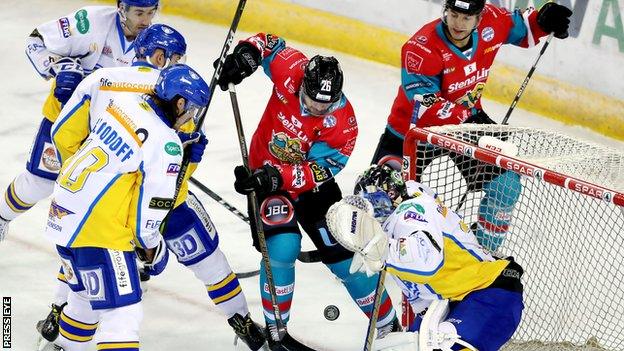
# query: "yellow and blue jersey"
120,162
433,254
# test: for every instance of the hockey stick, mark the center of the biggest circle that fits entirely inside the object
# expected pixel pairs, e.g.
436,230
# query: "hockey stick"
213,85
278,334
506,119
372,322
312,256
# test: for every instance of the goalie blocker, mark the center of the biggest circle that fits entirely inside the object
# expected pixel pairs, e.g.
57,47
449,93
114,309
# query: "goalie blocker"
433,256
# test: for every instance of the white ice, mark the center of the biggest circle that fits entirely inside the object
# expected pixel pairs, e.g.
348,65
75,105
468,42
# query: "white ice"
178,312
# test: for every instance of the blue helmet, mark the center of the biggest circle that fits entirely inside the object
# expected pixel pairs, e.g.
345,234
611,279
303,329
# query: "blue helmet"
182,81
139,3
159,36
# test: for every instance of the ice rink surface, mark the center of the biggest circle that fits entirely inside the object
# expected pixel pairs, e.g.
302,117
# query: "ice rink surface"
178,313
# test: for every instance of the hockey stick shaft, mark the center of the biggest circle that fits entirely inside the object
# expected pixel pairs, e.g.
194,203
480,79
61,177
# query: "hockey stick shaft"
511,108
526,80
219,199
213,85
372,322
253,200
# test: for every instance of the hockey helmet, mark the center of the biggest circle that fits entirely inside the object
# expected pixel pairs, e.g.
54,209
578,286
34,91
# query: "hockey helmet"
159,36
139,3
384,187
322,80
182,81
468,7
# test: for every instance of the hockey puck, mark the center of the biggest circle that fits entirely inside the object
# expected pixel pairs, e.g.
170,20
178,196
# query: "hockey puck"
331,312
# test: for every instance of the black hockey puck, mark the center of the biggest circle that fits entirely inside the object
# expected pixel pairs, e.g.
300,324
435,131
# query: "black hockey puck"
331,312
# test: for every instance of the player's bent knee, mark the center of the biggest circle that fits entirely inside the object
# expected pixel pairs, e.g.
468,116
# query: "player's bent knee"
190,234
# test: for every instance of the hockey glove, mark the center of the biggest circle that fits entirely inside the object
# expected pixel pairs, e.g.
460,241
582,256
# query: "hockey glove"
480,118
351,223
195,144
68,73
554,18
239,64
155,259
264,180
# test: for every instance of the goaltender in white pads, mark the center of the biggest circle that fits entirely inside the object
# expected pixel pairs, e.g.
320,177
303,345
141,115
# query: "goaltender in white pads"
474,300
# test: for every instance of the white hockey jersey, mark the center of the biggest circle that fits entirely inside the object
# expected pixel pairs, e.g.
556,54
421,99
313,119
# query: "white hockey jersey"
103,85
93,34
434,255
118,186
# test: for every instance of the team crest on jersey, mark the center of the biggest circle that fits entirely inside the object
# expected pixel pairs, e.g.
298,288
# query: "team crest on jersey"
469,100
57,211
286,149
487,34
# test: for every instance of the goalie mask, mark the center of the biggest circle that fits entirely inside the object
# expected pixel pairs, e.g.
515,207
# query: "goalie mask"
383,187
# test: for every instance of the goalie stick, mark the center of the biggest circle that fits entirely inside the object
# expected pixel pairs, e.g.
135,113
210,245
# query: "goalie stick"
312,256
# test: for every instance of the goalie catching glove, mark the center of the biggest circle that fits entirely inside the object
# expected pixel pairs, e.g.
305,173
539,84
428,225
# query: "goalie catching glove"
351,223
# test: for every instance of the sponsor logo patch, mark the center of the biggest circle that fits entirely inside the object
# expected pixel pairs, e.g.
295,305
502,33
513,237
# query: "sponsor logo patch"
173,149
173,169
160,203
57,211
413,62
82,22
64,27
320,173
276,210
48,158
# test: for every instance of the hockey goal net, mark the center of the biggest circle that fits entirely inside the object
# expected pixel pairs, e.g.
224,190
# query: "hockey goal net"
566,228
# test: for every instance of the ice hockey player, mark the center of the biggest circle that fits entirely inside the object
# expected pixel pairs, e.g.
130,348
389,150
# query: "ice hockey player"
189,233
464,297
445,66
304,139
65,50
108,200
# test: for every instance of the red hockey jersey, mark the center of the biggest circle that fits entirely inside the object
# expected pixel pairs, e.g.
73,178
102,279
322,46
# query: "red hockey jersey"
308,150
441,84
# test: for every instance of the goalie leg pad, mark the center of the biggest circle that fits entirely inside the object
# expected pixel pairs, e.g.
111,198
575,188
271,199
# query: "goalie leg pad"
487,318
190,233
495,209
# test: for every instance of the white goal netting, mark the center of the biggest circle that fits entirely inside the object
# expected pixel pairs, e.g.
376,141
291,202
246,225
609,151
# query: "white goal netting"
566,228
